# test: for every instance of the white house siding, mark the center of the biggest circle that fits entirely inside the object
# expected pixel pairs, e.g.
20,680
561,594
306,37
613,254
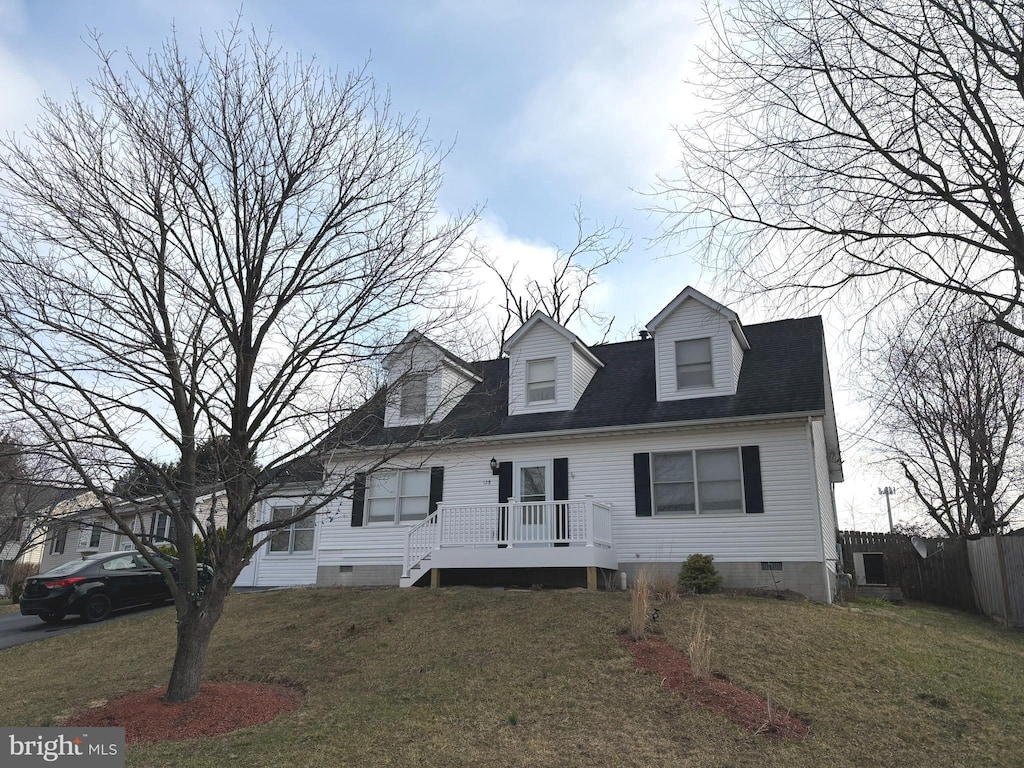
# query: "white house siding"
693,320
539,343
454,386
583,371
826,501
418,358
72,548
602,466
282,569
737,359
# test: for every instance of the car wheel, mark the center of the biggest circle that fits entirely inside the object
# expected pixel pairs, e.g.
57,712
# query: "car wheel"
97,608
52,618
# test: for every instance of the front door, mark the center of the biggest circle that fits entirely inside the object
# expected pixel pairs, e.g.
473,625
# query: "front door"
533,522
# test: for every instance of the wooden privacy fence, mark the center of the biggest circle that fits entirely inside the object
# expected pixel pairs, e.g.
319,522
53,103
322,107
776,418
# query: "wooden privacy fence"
941,578
984,575
997,563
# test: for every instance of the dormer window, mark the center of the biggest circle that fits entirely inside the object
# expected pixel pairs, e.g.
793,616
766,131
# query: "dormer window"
414,396
693,363
540,381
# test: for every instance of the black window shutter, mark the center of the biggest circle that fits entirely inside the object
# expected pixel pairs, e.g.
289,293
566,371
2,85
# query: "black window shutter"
358,499
560,489
642,483
504,481
752,493
561,479
436,488
504,491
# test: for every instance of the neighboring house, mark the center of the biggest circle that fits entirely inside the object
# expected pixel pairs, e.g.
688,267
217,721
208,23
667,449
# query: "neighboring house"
559,462
79,527
20,506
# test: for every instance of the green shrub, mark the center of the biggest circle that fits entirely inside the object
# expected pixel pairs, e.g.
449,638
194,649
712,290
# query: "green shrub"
222,536
200,544
698,574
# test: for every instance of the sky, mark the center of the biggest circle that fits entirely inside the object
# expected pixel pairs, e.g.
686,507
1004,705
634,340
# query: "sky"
545,105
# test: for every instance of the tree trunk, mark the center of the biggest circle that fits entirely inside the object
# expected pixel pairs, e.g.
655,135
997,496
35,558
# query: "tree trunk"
195,626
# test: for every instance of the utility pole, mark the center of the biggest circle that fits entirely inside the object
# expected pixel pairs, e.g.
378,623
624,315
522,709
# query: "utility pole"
887,492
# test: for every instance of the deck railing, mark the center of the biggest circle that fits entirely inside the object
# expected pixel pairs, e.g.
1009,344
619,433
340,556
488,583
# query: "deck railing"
578,522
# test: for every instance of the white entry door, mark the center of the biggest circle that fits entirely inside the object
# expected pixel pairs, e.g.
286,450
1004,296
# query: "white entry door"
533,522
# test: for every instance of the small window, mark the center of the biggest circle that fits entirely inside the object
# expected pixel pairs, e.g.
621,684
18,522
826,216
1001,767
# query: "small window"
89,538
297,537
60,535
414,396
398,496
693,363
162,527
540,381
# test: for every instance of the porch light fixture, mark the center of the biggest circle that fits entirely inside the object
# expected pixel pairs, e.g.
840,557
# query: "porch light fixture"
494,466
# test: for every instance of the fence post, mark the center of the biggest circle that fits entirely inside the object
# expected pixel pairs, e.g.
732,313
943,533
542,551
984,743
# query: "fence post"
1001,559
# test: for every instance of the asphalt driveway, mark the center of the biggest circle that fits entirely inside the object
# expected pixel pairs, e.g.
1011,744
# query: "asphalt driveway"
16,629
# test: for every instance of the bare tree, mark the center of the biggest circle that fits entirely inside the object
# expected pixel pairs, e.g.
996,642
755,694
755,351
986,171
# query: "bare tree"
28,491
563,293
952,414
848,142
206,248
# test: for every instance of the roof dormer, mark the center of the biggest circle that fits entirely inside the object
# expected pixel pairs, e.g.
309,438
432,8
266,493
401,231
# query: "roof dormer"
424,381
549,368
699,346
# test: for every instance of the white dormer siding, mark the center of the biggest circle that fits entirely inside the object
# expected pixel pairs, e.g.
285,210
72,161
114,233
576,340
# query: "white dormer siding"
534,350
737,359
417,359
693,317
583,371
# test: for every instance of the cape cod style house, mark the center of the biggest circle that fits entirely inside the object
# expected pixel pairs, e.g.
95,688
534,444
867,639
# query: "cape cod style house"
561,463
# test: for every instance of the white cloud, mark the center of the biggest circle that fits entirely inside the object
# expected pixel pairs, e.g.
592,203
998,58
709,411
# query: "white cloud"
21,92
604,118
12,18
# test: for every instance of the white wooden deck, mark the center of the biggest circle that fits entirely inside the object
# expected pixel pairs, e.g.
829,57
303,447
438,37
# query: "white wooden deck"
546,534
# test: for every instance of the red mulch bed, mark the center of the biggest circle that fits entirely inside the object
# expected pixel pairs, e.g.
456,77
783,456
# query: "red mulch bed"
220,708
744,708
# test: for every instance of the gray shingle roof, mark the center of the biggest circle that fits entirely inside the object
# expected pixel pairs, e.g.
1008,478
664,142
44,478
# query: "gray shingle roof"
782,373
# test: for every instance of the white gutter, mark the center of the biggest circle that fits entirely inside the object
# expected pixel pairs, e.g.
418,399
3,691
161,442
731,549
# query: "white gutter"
520,437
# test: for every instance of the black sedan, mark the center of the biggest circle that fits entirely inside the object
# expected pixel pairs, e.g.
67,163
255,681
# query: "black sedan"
93,587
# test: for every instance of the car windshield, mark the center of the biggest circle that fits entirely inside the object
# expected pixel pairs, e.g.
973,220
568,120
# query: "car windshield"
65,569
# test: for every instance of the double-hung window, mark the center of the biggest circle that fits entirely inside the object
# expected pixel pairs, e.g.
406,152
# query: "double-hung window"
398,496
540,380
89,539
164,528
59,538
414,396
693,363
297,537
697,482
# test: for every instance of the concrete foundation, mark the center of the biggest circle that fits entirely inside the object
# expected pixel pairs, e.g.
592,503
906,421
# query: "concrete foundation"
358,575
806,578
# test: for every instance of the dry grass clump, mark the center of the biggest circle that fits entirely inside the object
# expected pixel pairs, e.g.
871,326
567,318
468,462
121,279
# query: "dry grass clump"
664,586
639,604
699,648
